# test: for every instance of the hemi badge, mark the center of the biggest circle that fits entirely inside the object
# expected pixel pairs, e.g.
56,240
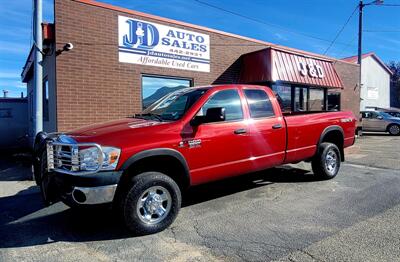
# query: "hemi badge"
346,120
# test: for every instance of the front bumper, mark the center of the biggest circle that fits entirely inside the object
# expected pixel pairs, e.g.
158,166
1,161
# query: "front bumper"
91,189
93,195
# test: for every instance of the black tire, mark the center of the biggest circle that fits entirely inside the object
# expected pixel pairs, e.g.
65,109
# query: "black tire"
394,129
134,216
326,163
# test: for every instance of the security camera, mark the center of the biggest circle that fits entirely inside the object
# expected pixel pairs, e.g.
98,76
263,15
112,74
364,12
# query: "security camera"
68,46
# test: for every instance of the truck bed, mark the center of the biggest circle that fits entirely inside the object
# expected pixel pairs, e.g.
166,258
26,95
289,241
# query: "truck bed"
305,128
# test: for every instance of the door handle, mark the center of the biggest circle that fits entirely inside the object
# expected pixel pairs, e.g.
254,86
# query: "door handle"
277,126
240,131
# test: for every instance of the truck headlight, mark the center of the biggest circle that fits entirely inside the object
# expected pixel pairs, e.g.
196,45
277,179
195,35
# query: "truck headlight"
90,158
110,158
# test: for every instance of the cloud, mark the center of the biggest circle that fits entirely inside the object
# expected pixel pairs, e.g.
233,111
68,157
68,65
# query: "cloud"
280,37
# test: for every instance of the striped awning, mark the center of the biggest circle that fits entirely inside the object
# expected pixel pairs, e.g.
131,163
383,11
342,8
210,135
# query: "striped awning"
277,65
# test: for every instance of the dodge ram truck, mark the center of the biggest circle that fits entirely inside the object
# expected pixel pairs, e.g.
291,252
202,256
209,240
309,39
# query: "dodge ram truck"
192,136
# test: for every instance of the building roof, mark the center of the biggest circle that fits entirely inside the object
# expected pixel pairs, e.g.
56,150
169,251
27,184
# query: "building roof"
354,59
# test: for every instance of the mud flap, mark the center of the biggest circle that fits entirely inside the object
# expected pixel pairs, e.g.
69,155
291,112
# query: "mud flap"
46,181
49,190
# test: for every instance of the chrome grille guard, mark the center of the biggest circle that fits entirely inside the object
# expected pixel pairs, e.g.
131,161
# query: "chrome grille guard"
64,157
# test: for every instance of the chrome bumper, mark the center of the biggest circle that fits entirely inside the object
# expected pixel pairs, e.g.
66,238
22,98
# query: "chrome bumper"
94,195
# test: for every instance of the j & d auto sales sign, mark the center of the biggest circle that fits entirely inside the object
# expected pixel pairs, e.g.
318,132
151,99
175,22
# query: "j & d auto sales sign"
148,43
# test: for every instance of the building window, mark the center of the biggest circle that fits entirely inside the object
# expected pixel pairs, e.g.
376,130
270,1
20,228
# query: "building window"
284,95
259,103
155,87
300,99
333,101
316,101
45,100
228,99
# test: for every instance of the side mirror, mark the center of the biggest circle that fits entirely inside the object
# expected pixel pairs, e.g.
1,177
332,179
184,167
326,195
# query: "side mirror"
380,117
214,114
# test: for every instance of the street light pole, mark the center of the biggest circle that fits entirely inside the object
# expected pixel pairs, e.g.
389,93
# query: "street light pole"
38,69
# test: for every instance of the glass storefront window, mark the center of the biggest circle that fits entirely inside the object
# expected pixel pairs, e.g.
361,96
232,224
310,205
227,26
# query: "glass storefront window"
333,101
316,100
300,99
156,87
284,95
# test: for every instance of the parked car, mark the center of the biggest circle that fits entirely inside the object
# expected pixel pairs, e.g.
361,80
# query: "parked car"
380,121
190,137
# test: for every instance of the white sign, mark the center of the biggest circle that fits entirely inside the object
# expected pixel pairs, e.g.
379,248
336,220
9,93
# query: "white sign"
148,43
313,70
372,92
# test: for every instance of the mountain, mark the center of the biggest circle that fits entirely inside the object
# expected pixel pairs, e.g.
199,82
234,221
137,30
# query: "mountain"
160,93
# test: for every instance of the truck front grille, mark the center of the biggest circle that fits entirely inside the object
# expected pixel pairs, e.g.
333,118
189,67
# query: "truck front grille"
65,158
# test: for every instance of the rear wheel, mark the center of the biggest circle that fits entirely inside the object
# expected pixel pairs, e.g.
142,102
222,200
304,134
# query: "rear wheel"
150,204
394,129
326,163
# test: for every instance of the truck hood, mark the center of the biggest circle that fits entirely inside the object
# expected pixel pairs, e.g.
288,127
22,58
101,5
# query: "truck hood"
111,127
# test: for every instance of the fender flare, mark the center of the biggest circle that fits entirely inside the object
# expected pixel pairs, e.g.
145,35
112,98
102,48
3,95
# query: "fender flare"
158,152
328,130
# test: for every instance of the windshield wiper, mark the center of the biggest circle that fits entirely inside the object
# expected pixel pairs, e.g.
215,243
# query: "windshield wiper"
144,116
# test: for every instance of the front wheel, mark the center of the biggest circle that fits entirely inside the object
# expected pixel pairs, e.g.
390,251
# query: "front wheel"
326,163
151,203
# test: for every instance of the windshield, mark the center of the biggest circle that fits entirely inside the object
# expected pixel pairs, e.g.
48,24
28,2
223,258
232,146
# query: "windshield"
173,106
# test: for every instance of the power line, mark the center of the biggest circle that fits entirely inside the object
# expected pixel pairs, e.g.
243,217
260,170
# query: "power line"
341,30
389,4
382,31
350,43
263,22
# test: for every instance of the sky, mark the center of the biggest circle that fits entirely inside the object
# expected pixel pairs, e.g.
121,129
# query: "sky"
309,25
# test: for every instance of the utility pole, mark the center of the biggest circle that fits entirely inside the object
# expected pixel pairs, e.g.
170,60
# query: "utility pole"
360,20
361,5
38,69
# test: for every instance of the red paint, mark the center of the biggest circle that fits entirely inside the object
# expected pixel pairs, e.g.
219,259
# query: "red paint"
270,65
223,153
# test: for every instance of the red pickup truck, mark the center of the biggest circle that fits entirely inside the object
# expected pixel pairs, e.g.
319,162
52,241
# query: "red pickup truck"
192,136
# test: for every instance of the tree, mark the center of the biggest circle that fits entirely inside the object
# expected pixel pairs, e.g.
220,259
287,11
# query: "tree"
394,84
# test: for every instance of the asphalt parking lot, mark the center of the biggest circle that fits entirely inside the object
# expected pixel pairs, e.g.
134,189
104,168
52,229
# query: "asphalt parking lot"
279,214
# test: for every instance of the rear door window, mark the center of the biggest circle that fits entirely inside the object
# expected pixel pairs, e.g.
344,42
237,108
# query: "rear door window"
259,103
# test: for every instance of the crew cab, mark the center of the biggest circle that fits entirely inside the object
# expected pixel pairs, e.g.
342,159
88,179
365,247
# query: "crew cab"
192,136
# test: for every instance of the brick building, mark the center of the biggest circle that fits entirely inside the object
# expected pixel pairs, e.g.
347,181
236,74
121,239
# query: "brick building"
123,60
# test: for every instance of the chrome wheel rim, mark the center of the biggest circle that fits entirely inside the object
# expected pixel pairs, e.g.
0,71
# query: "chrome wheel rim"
394,130
331,161
154,205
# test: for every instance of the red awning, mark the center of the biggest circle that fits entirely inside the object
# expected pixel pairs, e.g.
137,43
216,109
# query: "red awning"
277,65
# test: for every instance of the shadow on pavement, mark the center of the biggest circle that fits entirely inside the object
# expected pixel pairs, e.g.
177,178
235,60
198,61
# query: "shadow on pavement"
375,134
26,222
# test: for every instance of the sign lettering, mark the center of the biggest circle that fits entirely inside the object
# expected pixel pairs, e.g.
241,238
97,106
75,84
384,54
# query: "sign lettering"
152,44
312,70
